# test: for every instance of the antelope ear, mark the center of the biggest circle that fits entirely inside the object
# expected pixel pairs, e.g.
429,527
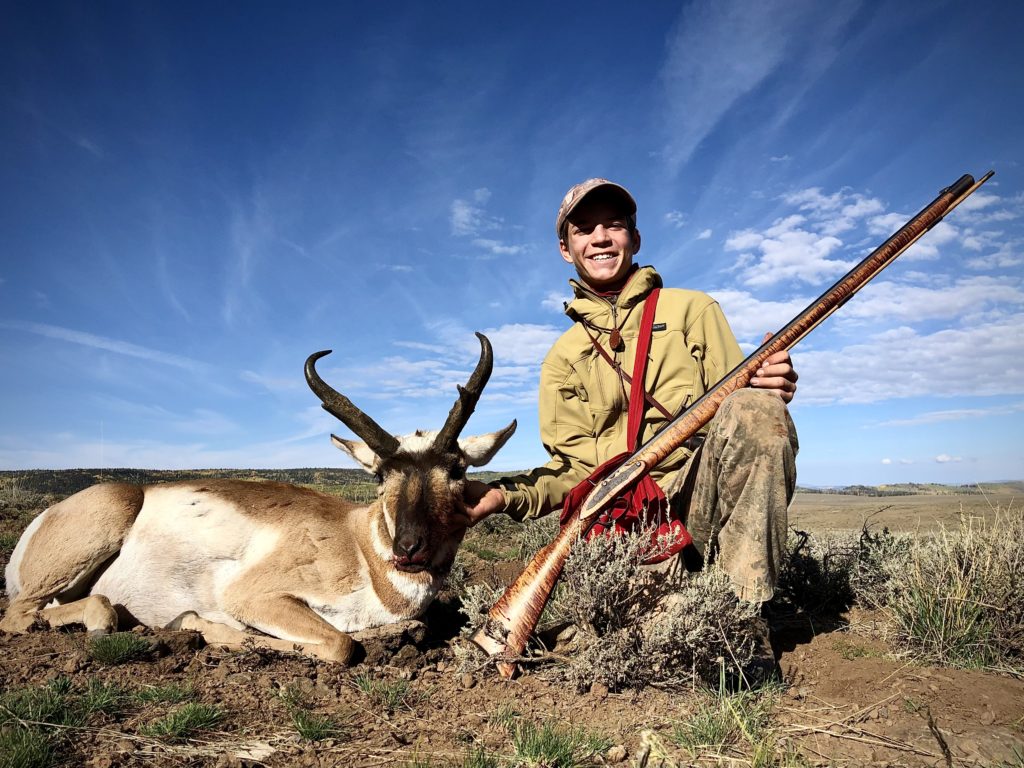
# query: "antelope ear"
361,452
480,449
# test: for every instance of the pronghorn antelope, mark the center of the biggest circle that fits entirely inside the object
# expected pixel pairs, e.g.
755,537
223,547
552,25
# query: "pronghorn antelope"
226,556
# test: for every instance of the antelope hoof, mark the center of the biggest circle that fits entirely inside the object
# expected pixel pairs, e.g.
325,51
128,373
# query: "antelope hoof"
17,622
184,621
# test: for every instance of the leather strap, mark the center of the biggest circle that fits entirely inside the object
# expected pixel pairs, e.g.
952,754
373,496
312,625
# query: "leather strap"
626,377
637,390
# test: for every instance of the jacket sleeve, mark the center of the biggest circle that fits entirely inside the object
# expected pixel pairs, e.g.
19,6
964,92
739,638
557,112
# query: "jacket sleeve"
567,432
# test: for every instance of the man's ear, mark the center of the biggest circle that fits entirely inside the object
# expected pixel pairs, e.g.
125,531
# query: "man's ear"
564,249
636,241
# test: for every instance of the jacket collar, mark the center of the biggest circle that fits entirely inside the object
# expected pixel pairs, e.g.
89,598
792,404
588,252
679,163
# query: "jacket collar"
589,304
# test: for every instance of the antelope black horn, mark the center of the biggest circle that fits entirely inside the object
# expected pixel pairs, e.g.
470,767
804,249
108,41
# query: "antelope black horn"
448,436
366,429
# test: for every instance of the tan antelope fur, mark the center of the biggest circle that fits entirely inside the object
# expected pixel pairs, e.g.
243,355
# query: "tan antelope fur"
229,556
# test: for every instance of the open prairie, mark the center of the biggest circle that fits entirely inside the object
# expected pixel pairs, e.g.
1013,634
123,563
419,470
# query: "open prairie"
924,511
848,695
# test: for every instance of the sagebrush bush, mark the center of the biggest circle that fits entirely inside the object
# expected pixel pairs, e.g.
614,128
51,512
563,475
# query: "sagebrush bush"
957,597
817,575
639,627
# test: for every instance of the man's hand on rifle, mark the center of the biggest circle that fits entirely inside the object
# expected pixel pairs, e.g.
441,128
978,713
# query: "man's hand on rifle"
777,374
480,500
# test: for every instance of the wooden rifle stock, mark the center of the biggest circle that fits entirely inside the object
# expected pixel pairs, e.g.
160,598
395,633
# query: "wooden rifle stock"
513,618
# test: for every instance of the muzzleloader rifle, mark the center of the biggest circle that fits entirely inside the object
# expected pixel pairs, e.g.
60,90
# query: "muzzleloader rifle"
513,618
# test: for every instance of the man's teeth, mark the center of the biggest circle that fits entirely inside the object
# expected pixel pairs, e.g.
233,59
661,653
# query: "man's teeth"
604,257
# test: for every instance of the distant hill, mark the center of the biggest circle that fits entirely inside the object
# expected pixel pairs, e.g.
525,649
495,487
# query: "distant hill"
916,489
64,482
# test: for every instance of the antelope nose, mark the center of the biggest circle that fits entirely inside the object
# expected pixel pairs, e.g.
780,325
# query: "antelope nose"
408,546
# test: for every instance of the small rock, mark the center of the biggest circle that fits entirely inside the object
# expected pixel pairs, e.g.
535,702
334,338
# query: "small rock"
988,716
883,711
600,690
75,663
441,666
101,761
140,629
616,754
467,680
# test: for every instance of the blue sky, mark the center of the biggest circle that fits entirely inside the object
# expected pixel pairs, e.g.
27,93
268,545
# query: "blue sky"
194,198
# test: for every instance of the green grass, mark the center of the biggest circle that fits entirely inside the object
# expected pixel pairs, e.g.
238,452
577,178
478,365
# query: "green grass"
553,747
117,648
504,717
313,727
34,720
25,748
186,721
171,693
50,704
476,758
727,720
102,697
387,694
957,598
309,725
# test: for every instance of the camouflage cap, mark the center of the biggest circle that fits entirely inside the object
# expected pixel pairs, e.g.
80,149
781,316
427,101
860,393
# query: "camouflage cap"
575,196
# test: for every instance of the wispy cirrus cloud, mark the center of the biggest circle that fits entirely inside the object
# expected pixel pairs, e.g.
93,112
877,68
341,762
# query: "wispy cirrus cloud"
107,344
955,414
470,218
720,51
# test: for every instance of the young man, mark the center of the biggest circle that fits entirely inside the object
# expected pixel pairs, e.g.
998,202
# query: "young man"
733,483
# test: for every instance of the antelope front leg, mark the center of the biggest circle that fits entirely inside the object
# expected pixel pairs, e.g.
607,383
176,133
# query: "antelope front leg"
287,621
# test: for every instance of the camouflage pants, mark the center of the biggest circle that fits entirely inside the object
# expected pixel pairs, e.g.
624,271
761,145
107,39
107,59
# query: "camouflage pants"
735,490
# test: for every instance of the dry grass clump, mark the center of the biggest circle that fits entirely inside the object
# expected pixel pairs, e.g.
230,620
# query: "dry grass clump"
957,598
638,627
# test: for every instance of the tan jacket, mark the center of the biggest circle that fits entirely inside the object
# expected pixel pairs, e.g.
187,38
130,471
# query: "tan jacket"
583,405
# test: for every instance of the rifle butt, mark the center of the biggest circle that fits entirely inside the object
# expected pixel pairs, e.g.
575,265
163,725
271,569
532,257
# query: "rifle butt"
513,618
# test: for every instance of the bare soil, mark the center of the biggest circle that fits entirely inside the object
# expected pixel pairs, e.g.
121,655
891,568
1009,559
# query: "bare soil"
846,698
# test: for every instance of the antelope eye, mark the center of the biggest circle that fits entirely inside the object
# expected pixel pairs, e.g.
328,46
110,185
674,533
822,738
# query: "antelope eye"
457,472
379,477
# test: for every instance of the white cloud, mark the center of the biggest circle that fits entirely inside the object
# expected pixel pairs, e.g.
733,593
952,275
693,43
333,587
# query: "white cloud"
704,235
887,461
925,249
944,458
555,301
902,362
470,218
676,219
497,248
900,302
958,414
788,252
750,317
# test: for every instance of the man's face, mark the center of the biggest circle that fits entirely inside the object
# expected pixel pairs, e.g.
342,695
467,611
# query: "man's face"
599,244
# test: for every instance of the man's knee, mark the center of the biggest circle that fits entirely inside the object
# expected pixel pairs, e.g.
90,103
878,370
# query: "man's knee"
758,417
